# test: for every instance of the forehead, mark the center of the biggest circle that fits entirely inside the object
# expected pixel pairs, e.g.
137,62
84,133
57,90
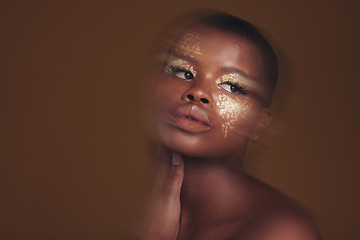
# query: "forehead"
206,45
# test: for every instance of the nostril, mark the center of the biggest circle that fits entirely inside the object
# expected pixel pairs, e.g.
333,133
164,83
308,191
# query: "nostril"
204,100
190,97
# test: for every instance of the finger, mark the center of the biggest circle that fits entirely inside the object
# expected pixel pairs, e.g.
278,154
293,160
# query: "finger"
164,167
176,176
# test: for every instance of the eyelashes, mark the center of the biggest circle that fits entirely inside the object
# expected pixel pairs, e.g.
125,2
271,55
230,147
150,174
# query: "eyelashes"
181,72
228,82
234,88
232,84
181,69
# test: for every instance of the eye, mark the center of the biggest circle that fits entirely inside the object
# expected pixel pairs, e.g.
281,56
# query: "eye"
183,74
234,88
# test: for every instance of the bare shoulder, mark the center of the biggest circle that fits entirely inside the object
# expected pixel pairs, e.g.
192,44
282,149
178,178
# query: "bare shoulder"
275,216
286,227
238,206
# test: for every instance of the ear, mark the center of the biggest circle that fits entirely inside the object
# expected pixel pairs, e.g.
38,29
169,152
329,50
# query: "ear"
263,121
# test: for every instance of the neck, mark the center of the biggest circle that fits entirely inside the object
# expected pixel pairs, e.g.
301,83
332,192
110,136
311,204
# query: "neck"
206,181
203,185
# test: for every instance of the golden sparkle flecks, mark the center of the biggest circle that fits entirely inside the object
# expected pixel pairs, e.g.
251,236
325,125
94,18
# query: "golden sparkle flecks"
232,78
182,64
231,109
189,44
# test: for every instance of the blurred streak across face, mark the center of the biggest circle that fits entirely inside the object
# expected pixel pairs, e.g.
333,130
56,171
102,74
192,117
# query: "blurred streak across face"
208,94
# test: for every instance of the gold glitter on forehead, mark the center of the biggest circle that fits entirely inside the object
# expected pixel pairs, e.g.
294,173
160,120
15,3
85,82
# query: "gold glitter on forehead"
189,44
182,64
231,109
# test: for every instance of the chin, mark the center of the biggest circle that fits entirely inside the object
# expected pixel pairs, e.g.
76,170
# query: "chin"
188,150
187,144
206,145
200,146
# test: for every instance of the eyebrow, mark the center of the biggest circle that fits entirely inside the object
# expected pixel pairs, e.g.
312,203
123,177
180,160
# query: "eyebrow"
236,70
184,57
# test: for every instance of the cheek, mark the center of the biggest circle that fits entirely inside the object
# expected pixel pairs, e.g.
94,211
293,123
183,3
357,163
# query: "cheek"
231,110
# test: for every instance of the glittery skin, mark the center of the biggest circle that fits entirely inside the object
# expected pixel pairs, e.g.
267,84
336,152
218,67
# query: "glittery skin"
232,77
231,109
181,64
189,44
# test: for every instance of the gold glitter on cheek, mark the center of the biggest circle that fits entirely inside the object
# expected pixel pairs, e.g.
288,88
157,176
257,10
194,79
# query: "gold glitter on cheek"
231,109
189,44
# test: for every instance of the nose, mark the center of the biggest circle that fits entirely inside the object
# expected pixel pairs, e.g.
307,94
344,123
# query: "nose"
197,93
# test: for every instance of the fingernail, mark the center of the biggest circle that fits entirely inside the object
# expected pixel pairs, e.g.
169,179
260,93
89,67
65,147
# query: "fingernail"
176,159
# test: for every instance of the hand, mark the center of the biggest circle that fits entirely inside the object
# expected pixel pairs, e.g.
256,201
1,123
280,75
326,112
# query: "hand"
165,221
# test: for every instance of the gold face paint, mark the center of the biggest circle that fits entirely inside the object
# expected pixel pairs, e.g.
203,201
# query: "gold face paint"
233,78
189,44
180,64
243,82
231,109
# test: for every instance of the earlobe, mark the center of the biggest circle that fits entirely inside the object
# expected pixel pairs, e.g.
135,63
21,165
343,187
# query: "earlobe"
263,121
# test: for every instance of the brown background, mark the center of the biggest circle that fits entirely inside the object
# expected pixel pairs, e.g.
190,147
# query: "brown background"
71,148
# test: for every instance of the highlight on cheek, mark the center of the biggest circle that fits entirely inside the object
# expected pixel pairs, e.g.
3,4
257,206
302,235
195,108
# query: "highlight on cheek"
231,109
180,65
189,44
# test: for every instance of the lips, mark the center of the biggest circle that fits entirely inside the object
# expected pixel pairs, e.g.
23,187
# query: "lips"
190,117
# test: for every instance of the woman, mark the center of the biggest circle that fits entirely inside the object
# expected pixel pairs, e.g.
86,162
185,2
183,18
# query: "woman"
212,97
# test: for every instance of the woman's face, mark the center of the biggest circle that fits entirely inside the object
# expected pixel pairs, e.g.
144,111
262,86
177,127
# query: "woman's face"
206,96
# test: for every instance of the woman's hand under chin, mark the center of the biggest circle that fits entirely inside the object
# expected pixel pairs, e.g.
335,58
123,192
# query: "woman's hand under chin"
164,221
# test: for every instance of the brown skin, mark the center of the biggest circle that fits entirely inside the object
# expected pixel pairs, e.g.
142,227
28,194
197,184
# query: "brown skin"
203,196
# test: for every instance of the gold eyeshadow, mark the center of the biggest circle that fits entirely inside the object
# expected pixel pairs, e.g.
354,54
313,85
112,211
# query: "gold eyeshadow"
232,78
245,83
231,109
180,64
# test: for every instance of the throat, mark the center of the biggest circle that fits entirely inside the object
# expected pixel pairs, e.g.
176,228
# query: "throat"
201,186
